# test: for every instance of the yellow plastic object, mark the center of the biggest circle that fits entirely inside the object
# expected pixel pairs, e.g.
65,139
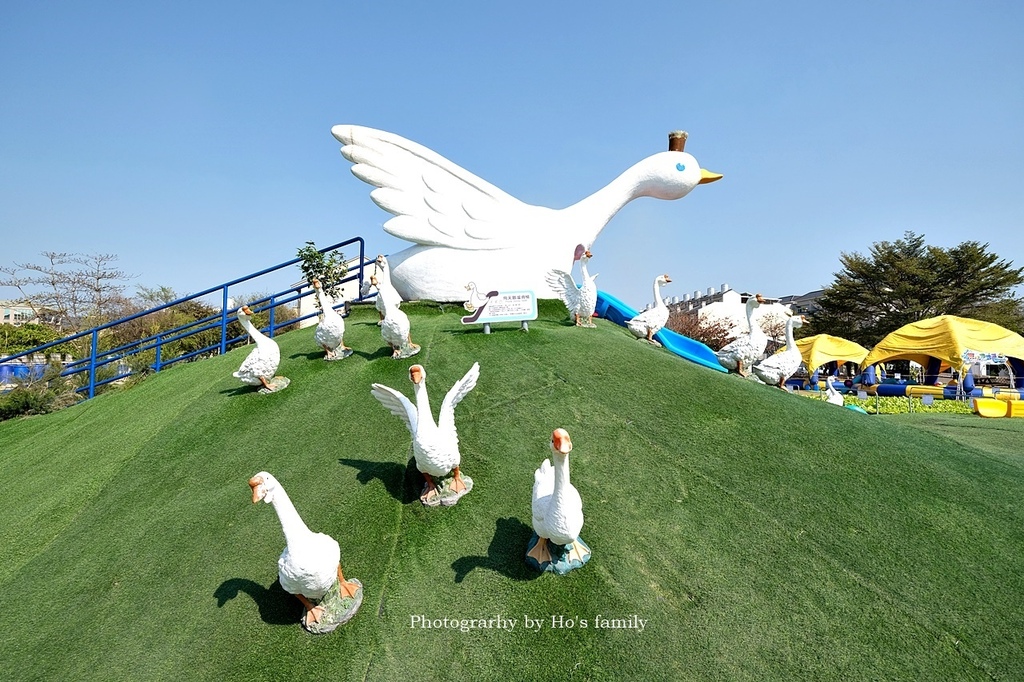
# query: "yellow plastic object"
918,391
990,407
1015,408
1007,396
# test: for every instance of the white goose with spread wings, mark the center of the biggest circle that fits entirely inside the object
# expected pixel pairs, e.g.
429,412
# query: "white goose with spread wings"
465,228
582,300
434,445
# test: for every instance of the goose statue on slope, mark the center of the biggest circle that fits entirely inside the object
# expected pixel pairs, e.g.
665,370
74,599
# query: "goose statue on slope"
581,301
740,354
435,446
330,330
463,228
775,369
259,367
395,328
648,323
557,513
380,271
310,565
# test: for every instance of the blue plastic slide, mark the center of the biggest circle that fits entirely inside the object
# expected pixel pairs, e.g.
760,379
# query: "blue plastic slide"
611,308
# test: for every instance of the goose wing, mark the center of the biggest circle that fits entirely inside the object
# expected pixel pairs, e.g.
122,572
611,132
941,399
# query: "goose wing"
562,283
397,404
435,202
446,418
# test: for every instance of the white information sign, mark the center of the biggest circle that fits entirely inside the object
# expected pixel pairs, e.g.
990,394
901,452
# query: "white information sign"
504,306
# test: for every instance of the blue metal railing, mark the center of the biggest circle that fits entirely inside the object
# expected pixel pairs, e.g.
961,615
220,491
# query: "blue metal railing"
99,359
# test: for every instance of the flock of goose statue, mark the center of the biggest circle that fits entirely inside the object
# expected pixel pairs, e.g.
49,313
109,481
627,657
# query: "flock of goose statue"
465,229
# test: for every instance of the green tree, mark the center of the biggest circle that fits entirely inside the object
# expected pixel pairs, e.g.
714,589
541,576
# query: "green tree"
329,267
906,280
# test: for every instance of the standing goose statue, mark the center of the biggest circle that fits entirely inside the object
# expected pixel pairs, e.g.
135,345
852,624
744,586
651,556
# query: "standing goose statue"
648,323
259,367
581,301
557,513
310,565
741,354
775,369
435,446
380,271
330,330
395,328
831,394
463,228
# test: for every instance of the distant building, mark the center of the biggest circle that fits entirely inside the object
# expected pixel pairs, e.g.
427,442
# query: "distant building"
17,314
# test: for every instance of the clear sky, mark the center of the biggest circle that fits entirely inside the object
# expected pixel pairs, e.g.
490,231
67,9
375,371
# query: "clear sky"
192,139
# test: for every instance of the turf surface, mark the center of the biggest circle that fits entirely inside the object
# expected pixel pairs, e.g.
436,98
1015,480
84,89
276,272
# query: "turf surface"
757,535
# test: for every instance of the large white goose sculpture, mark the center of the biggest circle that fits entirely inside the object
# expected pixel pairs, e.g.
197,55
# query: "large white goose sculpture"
581,301
648,323
435,446
741,354
259,367
310,564
330,330
465,228
557,513
775,369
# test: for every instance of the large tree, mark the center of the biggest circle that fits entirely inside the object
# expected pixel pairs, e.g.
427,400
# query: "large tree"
906,280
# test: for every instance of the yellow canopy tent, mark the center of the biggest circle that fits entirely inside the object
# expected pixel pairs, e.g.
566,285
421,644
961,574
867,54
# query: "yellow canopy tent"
821,348
949,339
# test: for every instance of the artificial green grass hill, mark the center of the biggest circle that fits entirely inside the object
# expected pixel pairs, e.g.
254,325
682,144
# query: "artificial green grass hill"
758,535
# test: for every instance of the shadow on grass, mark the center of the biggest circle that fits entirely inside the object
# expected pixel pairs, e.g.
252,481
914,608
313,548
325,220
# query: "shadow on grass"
312,355
240,390
276,606
402,483
505,555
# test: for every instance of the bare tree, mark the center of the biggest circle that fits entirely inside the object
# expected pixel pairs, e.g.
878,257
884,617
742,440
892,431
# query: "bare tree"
69,291
714,332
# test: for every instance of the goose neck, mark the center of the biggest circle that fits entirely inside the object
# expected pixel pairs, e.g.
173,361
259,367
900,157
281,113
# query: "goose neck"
594,212
657,295
292,524
423,413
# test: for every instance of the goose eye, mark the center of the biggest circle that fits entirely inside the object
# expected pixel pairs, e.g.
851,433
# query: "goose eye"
680,167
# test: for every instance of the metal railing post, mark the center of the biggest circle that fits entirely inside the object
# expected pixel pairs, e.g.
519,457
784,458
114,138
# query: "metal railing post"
92,363
224,322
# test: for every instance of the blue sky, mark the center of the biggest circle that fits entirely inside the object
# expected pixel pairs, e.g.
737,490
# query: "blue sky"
193,139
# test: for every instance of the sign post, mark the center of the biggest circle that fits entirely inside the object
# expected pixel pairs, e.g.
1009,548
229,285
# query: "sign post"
505,306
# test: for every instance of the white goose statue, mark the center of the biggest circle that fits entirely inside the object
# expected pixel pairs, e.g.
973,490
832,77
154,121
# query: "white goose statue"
435,446
330,330
775,369
310,564
383,282
581,301
648,323
831,394
464,228
395,328
740,354
557,513
259,367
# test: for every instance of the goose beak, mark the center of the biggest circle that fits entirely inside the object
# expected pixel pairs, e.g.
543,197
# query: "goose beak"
560,441
256,483
707,176
416,374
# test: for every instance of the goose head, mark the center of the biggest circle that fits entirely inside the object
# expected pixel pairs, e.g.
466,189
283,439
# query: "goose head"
315,283
417,374
263,487
373,280
662,280
670,175
581,253
245,311
797,321
755,301
561,445
382,261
